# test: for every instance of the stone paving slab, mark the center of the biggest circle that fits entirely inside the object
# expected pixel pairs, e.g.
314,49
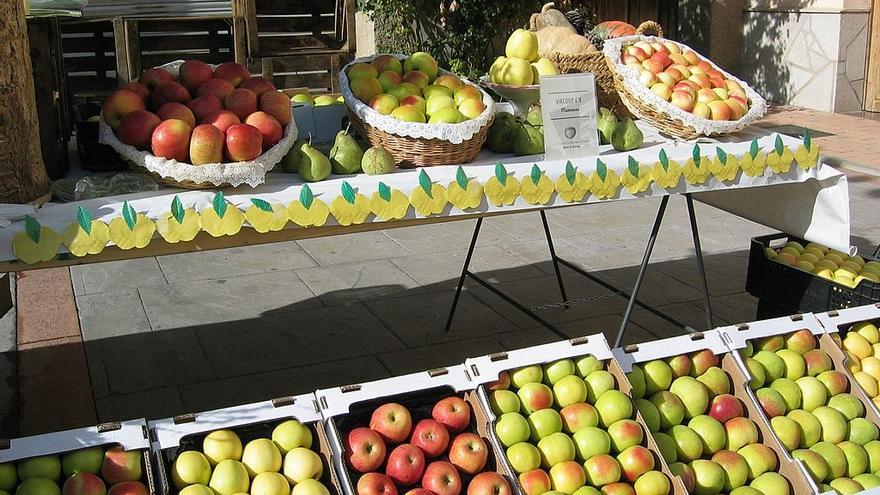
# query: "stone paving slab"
116,275
444,236
352,282
443,269
155,403
350,248
438,355
233,262
112,314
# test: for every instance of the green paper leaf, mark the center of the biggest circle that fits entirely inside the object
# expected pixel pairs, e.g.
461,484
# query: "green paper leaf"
696,155
263,205
722,156
384,192
425,183
348,192
501,173
535,175
633,166
129,215
177,209
461,178
808,142
753,149
306,197
32,227
601,169
570,173
664,160
219,204
778,145
84,218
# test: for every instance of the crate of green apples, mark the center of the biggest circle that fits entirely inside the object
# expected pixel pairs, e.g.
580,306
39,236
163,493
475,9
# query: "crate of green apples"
563,415
855,329
107,459
697,403
814,407
417,434
275,447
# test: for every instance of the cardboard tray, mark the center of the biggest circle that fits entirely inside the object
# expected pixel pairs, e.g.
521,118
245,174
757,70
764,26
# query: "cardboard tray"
486,369
171,436
737,336
351,406
131,435
788,467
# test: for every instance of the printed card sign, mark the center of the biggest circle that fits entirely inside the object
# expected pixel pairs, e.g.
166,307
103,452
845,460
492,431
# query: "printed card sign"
568,106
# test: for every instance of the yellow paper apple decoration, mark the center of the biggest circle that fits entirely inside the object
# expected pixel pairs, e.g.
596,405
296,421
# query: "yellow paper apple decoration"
86,235
428,198
464,193
635,178
573,185
265,217
536,189
666,173
35,243
604,181
180,224
807,154
308,211
389,204
351,207
132,229
219,220
724,166
503,189
781,158
754,161
696,169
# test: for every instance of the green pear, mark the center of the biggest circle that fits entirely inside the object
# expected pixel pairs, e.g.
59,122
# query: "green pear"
527,140
535,117
290,162
500,135
606,124
313,165
345,155
627,136
377,161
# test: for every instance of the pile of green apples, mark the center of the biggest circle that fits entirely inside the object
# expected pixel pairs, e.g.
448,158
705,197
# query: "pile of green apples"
568,429
812,412
702,430
284,464
829,264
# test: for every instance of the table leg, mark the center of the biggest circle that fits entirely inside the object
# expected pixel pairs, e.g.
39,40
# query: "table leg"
698,250
465,270
554,259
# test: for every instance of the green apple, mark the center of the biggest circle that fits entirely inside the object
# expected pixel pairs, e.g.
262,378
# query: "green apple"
557,370
602,470
848,405
680,365
693,394
795,367
658,376
8,477
522,44
292,434
809,427
846,486
637,380
555,448
756,373
736,469
577,416
567,477
856,458
748,350
708,477
833,424
834,457
650,414
624,434
814,463
544,423
867,480
873,450
38,486
745,490
528,374
45,466
512,428
670,408
771,484
688,445
862,431
587,365
569,390
591,441
741,431
790,392
446,115
716,380
523,457
432,105
787,430
774,366
504,401
813,392
81,461
436,90
771,402
598,382
835,382
652,483
516,71
613,405
586,490
535,396
667,447
759,457
710,431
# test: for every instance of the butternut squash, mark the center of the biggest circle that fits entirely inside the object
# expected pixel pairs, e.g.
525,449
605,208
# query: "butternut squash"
562,40
549,17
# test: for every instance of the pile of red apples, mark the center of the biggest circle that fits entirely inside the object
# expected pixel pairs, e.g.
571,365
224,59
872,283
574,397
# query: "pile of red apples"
436,456
203,116
680,77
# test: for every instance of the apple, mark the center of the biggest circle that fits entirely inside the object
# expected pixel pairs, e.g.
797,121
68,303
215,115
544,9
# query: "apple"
567,477
405,89
670,407
489,483
652,66
834,424
366,88
83,484
598,382
705,95
423,62
512,428
242,102
650,414
670,76
535,396
170,91
663,90
543,423
624,434
417,77
591,441
216,87
203,106
453,413
847,405
535,482
693,394
652,483
740,431
813,392
178,111
120,104
658,376
232,72
686,473
636,378
787,430
612,406
384,63
194,73
795,367
468,453
206,145
588,364
711,432
834,458
569,390
417,491
504,401
430,436
736,469
389,79
771,484
577,416
809,428
138,89
466,92
637,52
771,402
136,128
862,431
441,478
152,78
419,102
759,457
725,407
666,79
635,461
681,364
222,120
709,477
375,484
523,457
408,113
790,392
170,140
621,488
128,488
666,446
277,105
647,77
258,85
392,422
856,458
268,127
406,464
119,465
688,444
556,448
681,68
774,366
243,142
701,110
814,463
631,61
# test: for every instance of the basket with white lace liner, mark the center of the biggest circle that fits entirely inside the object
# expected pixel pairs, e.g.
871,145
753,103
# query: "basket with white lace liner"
173,173
666,117
414,144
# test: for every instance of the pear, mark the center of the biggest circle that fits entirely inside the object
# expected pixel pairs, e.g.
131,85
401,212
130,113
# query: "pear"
627,136
527,140
535,117
516,71
345,155
606,124
496,69
500,135
290,162
313,166
377,161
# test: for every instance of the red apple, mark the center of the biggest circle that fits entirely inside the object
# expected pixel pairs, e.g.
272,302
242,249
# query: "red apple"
138,89
194,73
720,110
702,360
652,65
392,422
258,85
84,484
418,491
662,58
405,465
441,478
725,407
242,102
152,78
468,453
277,105
128,488
222,120
430,436
635,461
119,464
120,104
702,80
489,483
502,383
737,109
268,127
243,142
217,87
232,72
171,140
636,52
203,106
452,412
137,128
375,484
206,145
535,482
364,450
168,92
177,111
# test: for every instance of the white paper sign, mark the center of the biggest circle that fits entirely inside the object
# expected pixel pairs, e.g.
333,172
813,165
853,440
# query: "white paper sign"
568,106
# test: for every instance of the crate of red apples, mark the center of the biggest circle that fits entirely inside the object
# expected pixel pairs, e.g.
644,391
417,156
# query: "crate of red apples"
192,125
417,434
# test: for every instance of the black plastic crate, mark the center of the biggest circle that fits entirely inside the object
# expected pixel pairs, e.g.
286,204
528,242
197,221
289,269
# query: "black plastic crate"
784,288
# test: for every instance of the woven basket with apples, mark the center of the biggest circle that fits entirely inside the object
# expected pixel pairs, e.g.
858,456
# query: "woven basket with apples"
679,91
421,114
191,125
